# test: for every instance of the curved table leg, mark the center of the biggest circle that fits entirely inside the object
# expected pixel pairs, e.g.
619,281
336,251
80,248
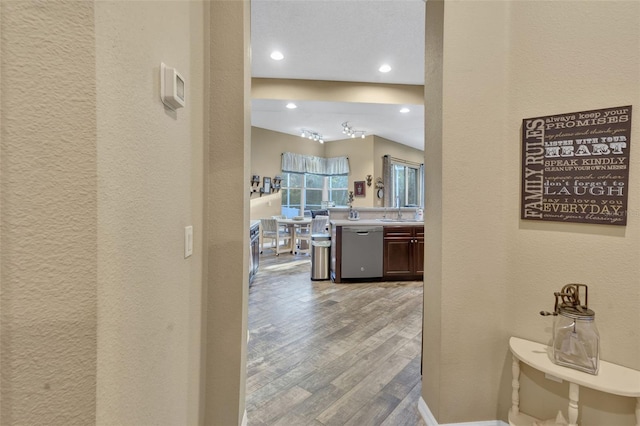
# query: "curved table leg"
574,392
515,386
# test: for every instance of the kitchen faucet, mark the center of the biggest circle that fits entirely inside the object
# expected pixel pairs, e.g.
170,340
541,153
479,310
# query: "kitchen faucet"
399,212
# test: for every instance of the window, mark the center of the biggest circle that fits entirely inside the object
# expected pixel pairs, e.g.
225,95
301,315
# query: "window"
291,190
338,190
406,185
405,181
313,187
307,191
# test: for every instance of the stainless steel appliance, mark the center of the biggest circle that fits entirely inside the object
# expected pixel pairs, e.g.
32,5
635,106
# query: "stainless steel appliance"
362,248
320,256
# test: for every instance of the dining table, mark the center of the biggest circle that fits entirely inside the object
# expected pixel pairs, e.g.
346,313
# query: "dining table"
294,225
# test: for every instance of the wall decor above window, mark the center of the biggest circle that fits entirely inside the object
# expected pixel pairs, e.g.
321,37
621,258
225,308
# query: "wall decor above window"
266,186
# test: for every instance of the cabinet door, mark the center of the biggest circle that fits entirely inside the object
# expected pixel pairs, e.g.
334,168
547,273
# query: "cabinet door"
418,250
418,256
397,256
404,252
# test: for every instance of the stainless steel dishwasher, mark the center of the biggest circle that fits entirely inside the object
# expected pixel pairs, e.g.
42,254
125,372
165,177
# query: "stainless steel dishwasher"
362,248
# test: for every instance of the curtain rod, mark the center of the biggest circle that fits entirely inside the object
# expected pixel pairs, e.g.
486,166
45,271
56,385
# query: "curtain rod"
400,160
282,153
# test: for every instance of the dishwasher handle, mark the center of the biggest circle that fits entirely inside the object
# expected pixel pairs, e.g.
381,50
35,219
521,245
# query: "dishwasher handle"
363,231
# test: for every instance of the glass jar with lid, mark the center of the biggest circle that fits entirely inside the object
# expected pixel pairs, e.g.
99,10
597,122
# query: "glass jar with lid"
576,341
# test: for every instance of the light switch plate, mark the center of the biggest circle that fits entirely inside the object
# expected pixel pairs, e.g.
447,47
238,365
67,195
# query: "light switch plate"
188,241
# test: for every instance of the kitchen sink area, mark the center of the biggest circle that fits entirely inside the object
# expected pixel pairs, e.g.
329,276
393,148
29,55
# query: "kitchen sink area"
377,244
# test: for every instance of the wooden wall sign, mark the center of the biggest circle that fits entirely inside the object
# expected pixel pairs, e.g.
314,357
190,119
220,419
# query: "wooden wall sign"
575,167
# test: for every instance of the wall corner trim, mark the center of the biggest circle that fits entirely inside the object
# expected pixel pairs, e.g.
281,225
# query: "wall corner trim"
430,420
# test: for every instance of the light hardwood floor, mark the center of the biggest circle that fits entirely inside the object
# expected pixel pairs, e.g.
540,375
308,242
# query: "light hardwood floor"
331,354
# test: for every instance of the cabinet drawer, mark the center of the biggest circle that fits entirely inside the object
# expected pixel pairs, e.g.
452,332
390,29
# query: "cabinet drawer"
398,231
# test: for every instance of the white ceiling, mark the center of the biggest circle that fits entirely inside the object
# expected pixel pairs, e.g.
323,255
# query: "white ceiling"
340,40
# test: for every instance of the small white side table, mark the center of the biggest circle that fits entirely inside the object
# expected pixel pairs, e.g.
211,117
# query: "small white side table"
611,378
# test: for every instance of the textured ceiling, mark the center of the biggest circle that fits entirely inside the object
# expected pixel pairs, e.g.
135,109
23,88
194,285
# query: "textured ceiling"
340,41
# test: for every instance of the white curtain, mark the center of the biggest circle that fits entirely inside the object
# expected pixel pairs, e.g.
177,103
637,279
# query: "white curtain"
298,163
315,165
337,166
292,163
387,181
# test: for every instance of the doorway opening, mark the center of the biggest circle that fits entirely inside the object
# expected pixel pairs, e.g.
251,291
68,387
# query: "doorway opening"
309,356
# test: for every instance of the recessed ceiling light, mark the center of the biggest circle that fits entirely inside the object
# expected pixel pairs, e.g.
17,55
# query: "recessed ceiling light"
385,68
277,56
291,105
405,110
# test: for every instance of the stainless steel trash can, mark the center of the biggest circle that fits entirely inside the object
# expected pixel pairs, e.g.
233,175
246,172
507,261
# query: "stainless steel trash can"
320,256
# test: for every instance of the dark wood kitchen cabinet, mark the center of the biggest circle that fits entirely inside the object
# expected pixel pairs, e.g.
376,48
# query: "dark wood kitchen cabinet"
403,253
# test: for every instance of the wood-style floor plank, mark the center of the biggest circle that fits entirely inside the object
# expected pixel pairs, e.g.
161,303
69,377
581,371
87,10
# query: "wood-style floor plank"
323,354
406,413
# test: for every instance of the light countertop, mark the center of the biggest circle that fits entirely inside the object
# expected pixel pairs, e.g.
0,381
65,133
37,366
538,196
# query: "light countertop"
376,222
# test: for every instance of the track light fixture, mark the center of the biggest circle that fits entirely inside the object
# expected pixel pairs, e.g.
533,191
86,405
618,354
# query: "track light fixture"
314,136
351,132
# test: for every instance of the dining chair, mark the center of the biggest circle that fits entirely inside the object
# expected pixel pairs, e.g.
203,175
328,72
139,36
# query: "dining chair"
271,231
284,228
317,225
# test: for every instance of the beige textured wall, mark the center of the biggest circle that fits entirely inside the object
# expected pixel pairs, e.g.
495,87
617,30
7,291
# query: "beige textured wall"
149,188
229,164
266,149
433,208
360,153
591,61
48,235
472,249
336,91
365,158
491,271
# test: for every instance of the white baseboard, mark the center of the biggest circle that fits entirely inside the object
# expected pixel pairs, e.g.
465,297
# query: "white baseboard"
430,420
426,414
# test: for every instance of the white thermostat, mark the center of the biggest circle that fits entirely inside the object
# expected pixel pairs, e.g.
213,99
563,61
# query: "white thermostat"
172,88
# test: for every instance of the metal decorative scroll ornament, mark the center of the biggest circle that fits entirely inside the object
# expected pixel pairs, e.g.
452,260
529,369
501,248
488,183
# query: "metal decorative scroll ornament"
575,166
